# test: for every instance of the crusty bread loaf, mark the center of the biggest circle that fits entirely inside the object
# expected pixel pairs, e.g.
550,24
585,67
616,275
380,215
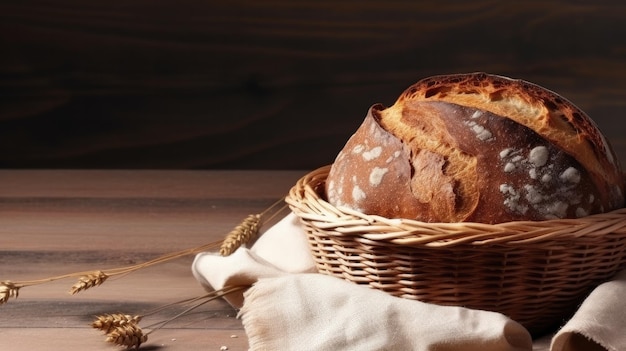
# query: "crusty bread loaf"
477,147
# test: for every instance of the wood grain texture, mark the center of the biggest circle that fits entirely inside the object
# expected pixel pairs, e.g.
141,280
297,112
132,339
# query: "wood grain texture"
58,222
271,84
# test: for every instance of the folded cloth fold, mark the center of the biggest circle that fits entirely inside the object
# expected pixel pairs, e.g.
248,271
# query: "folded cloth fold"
289,307
281,249
319,312
599,323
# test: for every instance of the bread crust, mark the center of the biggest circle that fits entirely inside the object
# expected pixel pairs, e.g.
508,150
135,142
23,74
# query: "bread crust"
547,113
477,147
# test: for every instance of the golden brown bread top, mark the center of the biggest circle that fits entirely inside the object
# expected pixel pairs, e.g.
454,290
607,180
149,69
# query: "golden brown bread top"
477,147
550,115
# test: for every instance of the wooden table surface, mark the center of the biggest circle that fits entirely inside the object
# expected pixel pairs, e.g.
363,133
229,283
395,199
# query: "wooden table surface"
54,222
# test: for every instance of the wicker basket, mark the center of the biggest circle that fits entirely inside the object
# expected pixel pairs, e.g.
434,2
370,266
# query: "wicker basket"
535,272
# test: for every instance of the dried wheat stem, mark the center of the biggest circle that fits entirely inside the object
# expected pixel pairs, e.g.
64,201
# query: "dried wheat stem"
127,335
164,258
88,279
240,235
273,210
124,330
180,302
203,299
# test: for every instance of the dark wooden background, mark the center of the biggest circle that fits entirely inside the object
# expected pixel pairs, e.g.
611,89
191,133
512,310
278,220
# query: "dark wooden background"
202,84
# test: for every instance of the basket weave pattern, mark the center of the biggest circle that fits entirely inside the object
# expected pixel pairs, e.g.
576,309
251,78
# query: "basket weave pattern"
534,272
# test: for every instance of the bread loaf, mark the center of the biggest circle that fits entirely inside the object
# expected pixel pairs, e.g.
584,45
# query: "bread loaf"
477,147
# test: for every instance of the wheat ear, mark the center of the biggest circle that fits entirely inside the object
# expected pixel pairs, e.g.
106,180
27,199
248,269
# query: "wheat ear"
88,281
127,335
248,229
108,322
8,289
124,330
241,235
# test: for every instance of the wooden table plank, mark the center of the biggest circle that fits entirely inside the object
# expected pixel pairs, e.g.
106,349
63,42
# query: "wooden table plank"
57,222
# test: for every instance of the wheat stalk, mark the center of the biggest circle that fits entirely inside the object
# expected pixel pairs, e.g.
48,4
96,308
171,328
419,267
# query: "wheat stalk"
89,279
124,330
240,235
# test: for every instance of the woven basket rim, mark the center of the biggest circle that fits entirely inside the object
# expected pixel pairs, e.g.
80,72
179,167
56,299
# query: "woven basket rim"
304,199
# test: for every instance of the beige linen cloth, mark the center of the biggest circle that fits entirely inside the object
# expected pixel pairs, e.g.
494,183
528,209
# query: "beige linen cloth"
290,307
